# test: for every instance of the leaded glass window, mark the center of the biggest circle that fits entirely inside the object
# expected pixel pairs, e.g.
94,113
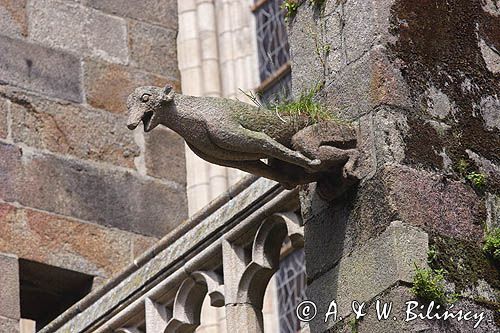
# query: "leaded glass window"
273,51
291,283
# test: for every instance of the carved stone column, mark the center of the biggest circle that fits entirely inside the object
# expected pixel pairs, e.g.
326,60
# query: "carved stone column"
249,267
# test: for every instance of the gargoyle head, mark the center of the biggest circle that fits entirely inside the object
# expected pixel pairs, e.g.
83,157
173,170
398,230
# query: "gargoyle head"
145,103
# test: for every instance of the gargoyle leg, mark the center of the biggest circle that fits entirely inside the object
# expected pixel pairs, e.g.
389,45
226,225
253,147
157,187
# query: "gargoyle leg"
258,168
261,143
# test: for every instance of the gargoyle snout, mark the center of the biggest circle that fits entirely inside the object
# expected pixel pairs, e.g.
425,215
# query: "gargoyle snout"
134,119
132,126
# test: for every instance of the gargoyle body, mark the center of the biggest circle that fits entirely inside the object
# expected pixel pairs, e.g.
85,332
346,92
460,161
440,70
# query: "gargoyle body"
235,134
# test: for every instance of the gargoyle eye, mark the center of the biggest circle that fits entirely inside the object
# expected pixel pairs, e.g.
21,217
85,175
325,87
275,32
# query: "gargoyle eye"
145,97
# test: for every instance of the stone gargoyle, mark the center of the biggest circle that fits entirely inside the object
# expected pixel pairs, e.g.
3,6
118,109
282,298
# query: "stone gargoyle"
235,134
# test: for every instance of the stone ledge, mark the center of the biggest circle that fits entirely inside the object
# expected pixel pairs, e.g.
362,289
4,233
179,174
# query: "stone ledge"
258,199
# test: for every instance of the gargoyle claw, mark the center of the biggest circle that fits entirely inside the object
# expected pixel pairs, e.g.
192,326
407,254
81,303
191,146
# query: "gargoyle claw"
315,162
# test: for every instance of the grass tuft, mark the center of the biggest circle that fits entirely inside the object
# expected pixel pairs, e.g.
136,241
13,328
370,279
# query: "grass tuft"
478,179
492,244
304,106
429,285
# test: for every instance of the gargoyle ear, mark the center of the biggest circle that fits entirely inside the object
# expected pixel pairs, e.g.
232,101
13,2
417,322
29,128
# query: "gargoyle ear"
167,89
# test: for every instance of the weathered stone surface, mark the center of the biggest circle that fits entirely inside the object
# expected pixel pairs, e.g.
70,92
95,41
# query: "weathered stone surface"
115,198
489,107
326,233
491,7
9,288
78,29
491,57
323,45
415,197
438,104
13,20
419,198
65,242
365,24
493,211
365,84
308,69
374,267
163,12
108,85
488,168
4,117
35,67
165,155
427,40
10,164
153,48
388,127
141,244
69,129
9,325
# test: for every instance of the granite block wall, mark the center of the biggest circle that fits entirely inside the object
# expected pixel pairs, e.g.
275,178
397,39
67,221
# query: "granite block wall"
78,190
420,81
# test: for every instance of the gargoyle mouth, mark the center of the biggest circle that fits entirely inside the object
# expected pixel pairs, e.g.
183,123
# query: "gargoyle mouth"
147,121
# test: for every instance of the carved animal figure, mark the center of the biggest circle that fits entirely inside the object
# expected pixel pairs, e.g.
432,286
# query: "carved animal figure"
235,134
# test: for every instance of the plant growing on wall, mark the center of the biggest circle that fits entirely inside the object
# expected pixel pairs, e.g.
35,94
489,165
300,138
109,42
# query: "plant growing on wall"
478,179
492,244
303,106
291,7
429,285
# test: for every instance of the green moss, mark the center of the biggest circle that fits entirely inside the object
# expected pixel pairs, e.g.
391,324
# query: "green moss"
492,244
291,7
478,179
462,166
317,3
305,105
354,324
429,285
431,254
464,262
